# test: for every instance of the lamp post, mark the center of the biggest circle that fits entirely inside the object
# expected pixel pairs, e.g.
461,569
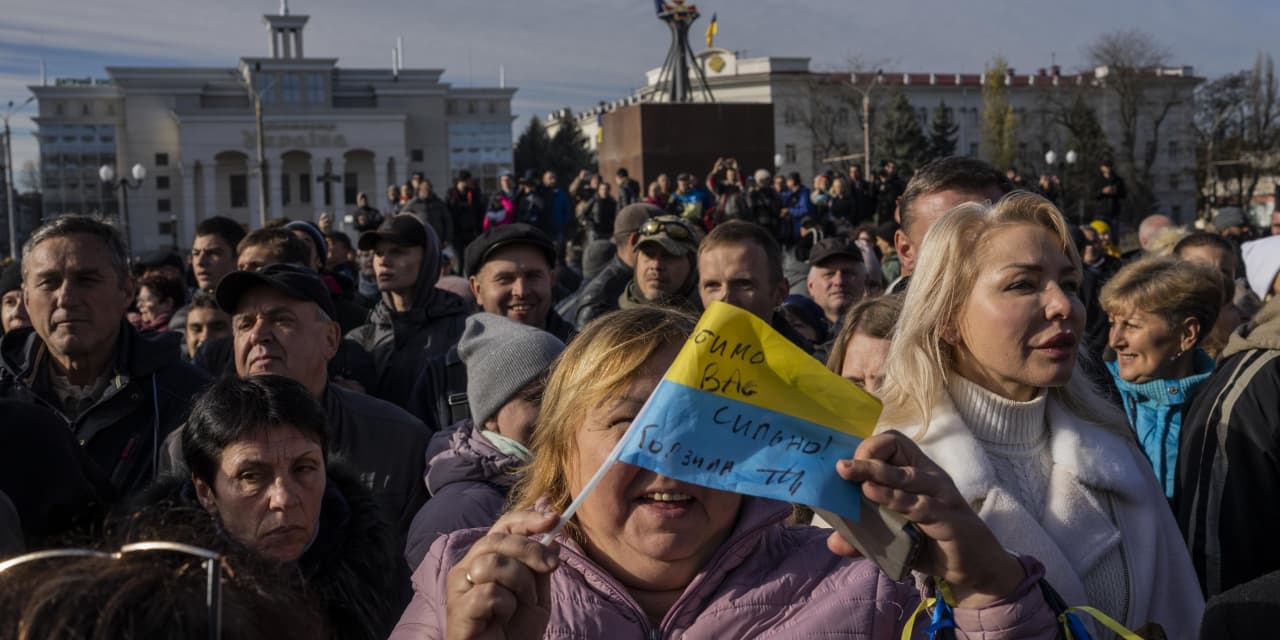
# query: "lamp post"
108,175
8,180
866,115
1071,158
247,78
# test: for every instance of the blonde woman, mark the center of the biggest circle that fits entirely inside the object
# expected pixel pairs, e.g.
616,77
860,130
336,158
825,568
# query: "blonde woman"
648,556
982,374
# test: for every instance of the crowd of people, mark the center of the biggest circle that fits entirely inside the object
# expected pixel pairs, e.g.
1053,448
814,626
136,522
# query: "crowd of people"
364,437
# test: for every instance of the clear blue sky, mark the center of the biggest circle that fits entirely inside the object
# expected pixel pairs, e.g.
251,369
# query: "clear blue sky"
575,53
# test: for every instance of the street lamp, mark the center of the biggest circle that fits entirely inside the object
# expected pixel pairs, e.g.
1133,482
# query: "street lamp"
1071,160
124,184
8,181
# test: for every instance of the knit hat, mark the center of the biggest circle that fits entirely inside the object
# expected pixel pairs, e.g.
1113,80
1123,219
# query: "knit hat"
313,232
502,357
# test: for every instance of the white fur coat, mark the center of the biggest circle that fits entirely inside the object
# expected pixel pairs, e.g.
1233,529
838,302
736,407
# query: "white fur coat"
1095,471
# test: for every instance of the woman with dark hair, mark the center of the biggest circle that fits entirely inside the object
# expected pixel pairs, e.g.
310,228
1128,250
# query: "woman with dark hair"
158,298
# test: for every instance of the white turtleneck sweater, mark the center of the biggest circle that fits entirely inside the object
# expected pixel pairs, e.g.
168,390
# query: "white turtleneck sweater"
1015,436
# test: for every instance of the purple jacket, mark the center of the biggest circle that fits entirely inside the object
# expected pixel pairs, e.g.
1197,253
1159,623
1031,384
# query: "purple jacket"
468,482
767,580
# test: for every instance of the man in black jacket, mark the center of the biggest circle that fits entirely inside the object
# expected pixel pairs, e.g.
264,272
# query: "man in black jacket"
431,210
119,392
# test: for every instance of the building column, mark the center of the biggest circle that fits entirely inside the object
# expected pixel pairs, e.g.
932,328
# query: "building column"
275,195
317,186
188,201
378,192
255,188
209,171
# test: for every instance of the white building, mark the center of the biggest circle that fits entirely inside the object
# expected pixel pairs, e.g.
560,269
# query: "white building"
818,115
329,133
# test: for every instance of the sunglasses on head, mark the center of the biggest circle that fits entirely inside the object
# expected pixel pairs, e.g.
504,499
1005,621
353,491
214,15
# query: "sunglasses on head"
675,229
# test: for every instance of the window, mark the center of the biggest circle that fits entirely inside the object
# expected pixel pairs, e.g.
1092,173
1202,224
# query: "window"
304,188
350,188
165,228
789,116
162,159
1175,181
162,182
164,205
842,115
315,88
265,87
1173,149
59,109
450,107
471,106
111,108
1177,211
290,88
84,109
790,153
493,107
239,191
416,155
973,149
286,194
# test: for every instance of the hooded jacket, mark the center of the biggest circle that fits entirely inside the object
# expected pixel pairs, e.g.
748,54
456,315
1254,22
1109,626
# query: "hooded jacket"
350,569
400,340
766,580
147,396
468,483
1229,446
1155,409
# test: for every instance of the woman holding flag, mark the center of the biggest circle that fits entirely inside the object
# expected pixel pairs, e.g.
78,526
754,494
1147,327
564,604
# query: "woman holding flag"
647,556
982,374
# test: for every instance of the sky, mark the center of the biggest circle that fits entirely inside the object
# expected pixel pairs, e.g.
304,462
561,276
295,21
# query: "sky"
575,53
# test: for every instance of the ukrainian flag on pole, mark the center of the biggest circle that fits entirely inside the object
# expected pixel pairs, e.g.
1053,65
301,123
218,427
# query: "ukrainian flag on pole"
711,30
743,409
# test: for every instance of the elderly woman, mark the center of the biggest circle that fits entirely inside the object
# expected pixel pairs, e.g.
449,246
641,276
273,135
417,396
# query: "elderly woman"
983,375
647,556
859,351
1161,309
260,475
158,298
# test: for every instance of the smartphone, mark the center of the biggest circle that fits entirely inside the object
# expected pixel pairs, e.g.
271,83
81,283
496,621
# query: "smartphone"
883,536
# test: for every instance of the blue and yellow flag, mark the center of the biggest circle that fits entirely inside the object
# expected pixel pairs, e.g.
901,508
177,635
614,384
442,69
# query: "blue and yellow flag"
743,409
712,29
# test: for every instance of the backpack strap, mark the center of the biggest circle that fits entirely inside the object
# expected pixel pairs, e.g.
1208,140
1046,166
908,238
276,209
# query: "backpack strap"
456,387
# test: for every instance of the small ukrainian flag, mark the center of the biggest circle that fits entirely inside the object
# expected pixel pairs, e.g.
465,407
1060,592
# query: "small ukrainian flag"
711,30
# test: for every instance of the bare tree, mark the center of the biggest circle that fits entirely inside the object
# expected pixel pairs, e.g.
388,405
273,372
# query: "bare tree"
1237,125
29,182
1130,55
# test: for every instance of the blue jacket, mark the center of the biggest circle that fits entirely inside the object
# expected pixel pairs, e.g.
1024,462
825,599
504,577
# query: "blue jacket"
800,208
1155,410
561,210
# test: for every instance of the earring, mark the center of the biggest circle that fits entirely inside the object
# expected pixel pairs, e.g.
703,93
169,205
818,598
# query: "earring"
1176,356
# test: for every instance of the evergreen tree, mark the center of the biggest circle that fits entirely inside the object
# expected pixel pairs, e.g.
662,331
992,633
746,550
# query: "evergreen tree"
942,133
568,152
532,147
901,137
999,125
1089,141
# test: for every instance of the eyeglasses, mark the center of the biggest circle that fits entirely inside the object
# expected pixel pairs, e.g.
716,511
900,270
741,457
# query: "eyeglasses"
212,562
675,229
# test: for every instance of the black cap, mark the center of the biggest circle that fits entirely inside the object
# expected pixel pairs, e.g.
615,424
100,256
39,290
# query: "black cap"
299,283
828,248
402,229
494,238
11,278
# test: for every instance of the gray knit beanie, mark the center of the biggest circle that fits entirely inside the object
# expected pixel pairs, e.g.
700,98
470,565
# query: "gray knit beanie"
502,357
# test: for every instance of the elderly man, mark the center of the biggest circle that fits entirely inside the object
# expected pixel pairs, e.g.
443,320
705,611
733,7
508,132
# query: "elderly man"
934,190
120,393
282,319
600,295
666,266
837,281
510,272
741,263
414,320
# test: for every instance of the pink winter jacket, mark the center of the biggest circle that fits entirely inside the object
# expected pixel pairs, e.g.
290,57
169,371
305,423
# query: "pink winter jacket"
767,580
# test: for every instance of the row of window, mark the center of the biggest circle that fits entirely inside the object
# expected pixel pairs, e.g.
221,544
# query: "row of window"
106,108
239,189
472,107
287,88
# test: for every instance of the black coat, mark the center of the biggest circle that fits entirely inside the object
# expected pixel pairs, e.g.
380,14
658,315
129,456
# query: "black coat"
148,396
600,295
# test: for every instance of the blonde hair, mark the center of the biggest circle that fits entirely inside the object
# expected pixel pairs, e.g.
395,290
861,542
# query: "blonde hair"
920,361
1171,288
1164,241
597,367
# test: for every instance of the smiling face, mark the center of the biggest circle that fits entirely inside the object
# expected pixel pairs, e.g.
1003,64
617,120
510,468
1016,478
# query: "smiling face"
74,296
515,282
151,305
1148,347
660,274
1018,330
267,491
652,532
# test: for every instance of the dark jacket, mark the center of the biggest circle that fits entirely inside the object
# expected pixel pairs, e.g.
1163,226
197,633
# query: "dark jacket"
147,397
1227,466
532,210
598,216
432,210
439,396
600,295
466,208
400,340
468,482
1245,611
351,569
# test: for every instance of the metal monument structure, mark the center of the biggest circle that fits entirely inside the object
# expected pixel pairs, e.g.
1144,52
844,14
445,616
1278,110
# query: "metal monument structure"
674,84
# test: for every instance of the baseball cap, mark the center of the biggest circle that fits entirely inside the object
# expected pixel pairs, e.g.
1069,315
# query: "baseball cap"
402,229
299,283
633,216
672,233
828,248
505,235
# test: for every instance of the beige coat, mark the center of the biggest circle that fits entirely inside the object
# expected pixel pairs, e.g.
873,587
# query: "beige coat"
1095,470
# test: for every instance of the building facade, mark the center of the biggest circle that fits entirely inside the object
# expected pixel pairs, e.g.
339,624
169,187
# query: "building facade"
818,119
328,134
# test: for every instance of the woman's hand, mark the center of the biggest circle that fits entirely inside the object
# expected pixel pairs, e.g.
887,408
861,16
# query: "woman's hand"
960,549
502,588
